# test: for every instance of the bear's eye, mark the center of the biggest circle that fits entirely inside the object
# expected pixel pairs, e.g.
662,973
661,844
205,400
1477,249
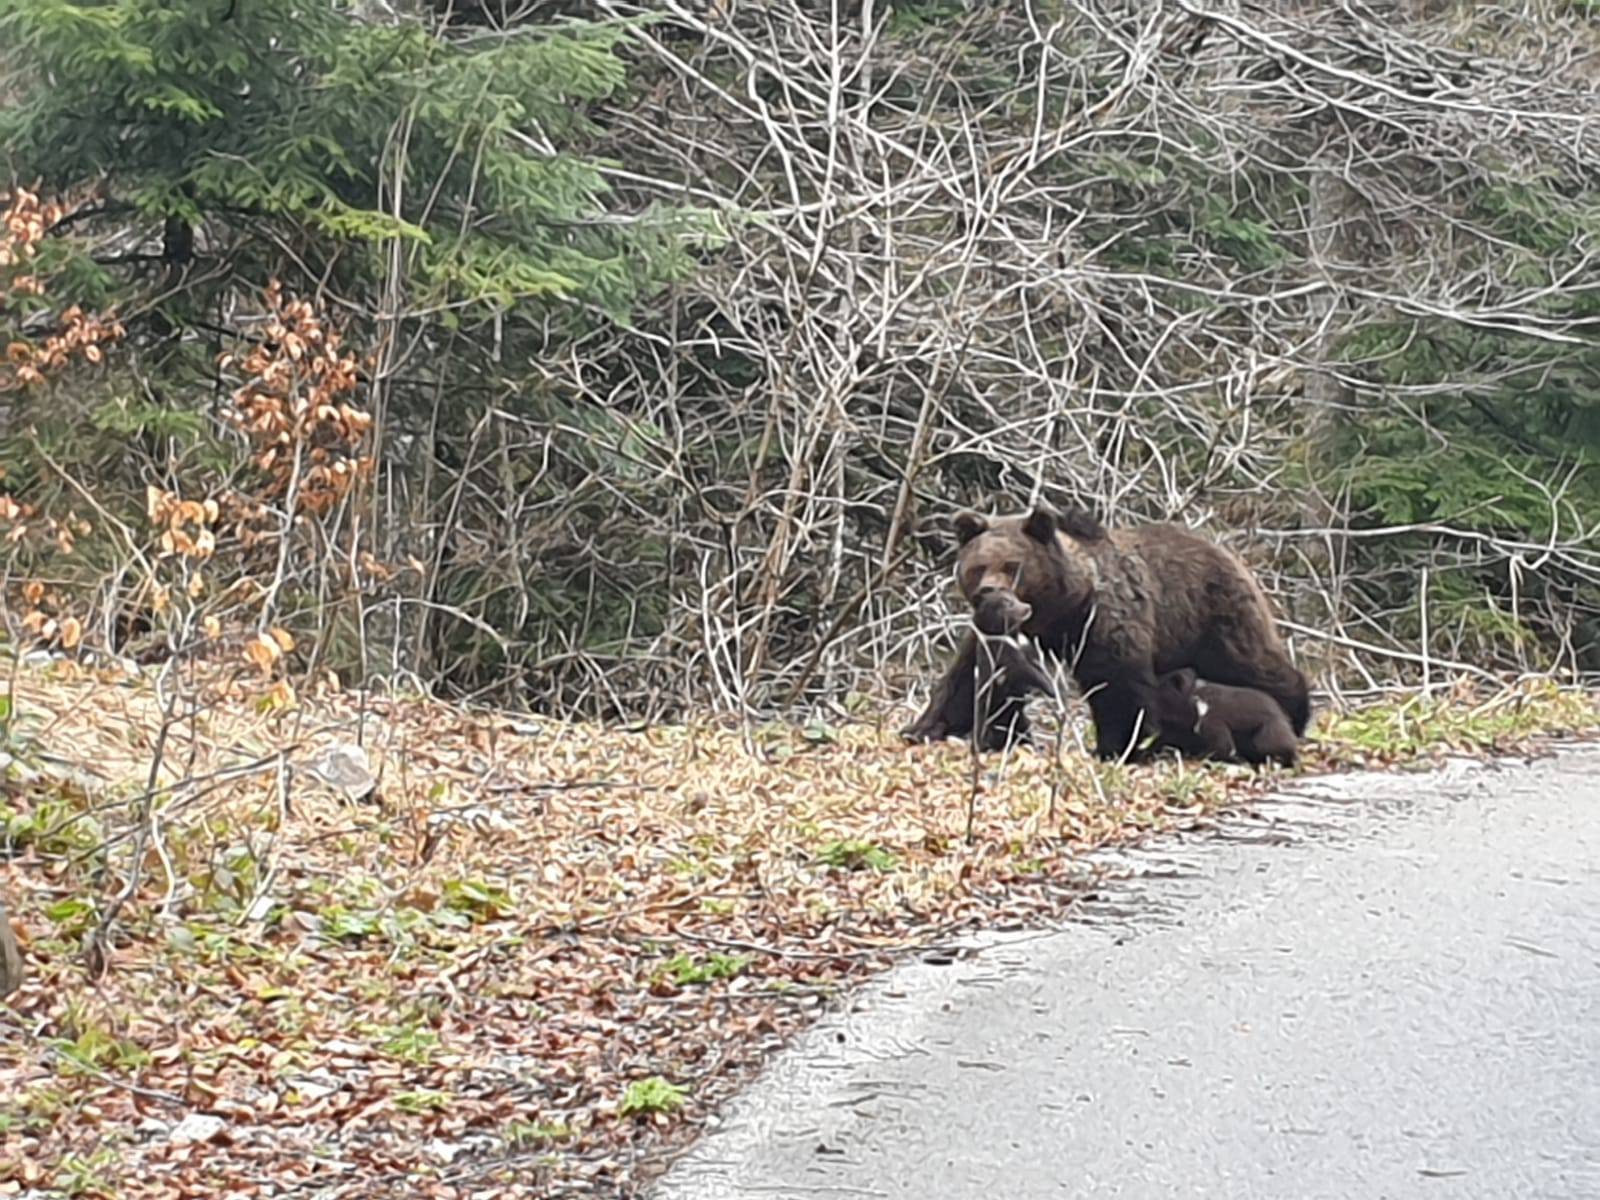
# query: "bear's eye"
1012,569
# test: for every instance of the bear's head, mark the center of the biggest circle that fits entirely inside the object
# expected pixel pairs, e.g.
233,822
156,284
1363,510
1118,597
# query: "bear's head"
1020,574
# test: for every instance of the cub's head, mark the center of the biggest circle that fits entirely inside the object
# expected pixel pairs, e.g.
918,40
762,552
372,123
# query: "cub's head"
1176,705
1182,681
1018,573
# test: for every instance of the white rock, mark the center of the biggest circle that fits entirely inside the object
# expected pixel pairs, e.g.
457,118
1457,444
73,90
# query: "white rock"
196,1127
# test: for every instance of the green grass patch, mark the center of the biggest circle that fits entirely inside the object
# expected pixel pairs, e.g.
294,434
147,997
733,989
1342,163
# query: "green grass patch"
530,1134
646,1097
421,1101
684,969
853,855
1414,725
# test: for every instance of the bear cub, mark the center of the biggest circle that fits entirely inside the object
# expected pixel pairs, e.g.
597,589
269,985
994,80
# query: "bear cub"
1213,720
1008,672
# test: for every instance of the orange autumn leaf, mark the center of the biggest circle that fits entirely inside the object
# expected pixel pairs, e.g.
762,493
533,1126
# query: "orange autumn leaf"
262,651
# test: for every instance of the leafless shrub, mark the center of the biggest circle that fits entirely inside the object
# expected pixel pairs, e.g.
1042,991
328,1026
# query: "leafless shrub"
990,255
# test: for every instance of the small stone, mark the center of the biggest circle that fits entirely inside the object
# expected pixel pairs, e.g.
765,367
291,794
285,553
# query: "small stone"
196,1127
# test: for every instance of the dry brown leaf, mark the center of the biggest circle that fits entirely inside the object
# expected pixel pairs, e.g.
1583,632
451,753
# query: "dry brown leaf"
262,651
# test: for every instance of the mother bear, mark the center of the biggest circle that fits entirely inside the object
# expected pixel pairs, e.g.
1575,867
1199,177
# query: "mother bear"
1122,608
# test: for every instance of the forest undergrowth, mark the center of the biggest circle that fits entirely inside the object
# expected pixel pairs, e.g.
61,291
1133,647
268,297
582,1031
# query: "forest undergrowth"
476,491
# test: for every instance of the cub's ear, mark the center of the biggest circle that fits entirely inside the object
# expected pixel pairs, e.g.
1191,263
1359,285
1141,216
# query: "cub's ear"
1182,681
1041,524
968,526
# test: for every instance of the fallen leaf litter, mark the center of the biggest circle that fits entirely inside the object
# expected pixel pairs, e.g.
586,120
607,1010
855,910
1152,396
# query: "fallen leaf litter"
447,954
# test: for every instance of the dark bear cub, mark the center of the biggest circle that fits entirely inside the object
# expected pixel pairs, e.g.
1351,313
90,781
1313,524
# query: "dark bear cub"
1005,671
1213,720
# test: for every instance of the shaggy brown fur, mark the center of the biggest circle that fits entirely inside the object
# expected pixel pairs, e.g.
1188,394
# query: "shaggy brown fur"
1123,607
1212,720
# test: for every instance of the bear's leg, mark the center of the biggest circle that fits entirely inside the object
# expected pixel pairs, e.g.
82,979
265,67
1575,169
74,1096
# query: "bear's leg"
1219,741
1273,741
1006,719
993,671
1289,687
1123,716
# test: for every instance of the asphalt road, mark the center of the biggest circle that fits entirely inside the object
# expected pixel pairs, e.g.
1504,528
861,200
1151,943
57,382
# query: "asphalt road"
1403,1001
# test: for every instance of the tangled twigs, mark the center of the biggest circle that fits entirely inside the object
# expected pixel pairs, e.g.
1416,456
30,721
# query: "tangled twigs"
97,942
984,258
1282,267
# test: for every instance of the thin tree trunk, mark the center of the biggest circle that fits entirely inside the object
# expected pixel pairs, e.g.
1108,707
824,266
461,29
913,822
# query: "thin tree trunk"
1329,401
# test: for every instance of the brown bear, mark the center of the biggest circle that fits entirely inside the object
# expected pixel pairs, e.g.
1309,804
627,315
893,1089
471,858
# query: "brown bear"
1122,608
1212,720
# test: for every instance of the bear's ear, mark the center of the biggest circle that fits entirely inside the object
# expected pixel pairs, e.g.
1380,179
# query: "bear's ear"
1081,524
968,526
1041,524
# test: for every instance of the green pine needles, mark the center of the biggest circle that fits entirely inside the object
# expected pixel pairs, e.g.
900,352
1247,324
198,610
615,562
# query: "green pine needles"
257,136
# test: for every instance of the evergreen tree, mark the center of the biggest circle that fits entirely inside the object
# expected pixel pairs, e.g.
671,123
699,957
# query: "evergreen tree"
296,136
436,188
